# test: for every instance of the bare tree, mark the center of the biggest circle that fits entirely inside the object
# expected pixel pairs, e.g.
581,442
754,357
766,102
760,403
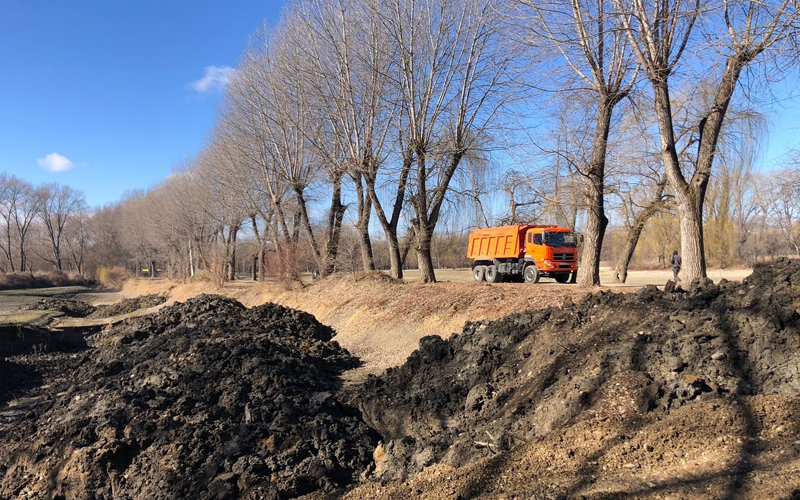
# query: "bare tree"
347,69
78,238
57,205
20,203
453,69
660,32
593,48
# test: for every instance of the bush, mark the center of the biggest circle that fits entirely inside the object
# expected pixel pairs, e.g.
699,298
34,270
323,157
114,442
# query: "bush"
111,277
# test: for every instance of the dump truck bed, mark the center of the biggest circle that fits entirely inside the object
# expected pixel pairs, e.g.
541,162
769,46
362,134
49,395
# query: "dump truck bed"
497,242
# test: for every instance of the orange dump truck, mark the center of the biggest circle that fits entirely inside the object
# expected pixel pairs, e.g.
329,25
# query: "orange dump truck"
523,253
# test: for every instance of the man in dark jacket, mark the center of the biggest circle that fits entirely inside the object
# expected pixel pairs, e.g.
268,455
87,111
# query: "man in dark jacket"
676,266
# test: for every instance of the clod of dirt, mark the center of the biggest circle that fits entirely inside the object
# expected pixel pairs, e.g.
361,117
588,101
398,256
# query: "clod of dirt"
70,307
205,399
609,358
127,306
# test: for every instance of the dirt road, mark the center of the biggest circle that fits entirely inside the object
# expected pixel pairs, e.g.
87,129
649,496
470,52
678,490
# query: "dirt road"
635,278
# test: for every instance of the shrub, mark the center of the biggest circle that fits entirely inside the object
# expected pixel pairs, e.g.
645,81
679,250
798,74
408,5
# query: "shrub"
111,277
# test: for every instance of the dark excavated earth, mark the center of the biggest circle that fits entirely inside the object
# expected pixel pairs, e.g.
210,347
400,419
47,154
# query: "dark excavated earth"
608,356
205,399
209,399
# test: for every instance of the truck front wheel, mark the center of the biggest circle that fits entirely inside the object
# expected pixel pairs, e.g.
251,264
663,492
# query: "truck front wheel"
531,274
478,273
562,277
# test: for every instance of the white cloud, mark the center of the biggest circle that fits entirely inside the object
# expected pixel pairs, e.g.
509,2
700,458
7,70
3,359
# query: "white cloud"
54,162
215,77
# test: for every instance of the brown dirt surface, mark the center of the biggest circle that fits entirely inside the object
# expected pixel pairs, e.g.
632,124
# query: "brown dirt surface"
546,392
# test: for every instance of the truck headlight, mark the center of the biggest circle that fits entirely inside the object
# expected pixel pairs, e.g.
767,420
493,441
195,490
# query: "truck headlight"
548,263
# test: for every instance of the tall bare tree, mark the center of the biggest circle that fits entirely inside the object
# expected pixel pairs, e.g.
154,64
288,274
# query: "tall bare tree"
454,78
347,67
57,205
595,51
660,32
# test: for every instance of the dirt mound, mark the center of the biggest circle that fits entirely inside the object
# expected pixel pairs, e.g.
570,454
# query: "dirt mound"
127,306
608,360
70,307
205,399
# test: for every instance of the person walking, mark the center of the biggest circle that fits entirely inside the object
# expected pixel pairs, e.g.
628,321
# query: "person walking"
676,267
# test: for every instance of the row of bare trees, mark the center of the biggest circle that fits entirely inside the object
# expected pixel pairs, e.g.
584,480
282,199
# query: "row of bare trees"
42,226
397,120
394,108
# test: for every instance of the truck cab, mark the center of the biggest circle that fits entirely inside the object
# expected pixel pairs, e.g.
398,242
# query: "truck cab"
554,251
523,252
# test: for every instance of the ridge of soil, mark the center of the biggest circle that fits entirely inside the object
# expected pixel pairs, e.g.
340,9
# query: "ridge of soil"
127,306
70,307
580,401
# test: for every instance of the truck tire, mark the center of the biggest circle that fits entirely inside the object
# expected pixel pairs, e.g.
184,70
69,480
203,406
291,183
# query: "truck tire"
478,273
562,277
492,276
531,274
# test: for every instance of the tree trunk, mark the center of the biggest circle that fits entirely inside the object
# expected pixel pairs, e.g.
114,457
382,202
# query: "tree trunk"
635,231
364,215
335,218
254,274
395,257
424,257
390,225
304,219
691,223
7,249
234,230
596,223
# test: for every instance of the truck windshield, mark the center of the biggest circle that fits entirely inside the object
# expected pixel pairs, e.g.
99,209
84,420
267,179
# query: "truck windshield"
560,239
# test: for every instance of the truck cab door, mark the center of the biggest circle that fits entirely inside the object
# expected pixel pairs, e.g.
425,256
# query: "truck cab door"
533,246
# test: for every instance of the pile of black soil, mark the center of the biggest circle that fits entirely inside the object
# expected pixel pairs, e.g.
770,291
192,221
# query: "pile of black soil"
608,356
127,306
70,307
205,399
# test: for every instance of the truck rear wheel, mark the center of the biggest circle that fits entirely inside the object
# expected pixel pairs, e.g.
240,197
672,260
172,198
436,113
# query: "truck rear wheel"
562,277
478,273
492,276
531,274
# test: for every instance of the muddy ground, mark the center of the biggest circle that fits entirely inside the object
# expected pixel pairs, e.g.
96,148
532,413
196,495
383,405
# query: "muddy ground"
691,394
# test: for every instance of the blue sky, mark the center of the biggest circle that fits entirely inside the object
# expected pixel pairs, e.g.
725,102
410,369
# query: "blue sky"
107,86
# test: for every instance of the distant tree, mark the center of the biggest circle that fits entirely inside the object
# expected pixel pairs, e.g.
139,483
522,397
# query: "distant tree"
57,205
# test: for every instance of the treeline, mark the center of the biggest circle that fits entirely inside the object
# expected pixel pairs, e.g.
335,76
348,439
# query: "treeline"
364,134
42,227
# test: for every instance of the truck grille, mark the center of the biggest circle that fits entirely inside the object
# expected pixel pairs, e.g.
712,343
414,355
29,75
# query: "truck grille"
563,256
